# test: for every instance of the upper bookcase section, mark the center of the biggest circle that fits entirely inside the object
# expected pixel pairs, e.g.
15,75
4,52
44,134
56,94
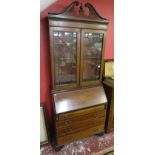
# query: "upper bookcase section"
70,14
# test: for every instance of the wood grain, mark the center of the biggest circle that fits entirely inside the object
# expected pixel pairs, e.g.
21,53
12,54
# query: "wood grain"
53,72
81,134
81,126
78,113
92,82
79,99
81,114
109,89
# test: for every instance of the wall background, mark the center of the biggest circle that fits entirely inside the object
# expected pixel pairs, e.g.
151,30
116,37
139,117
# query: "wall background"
104,7
45,3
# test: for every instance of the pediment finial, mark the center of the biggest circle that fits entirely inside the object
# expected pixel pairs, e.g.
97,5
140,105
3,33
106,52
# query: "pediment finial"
70,13
81,11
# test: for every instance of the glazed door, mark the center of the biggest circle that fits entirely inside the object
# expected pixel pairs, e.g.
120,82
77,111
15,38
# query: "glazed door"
92,47
65,51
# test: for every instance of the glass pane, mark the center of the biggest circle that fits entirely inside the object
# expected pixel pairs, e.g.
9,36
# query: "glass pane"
92,53
65,57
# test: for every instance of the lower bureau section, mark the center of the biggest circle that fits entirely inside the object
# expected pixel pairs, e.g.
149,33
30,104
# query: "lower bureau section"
79,124
82,125
80,134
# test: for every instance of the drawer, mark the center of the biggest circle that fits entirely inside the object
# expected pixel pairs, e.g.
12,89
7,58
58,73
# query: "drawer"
73,121
80,134
78,126
81,112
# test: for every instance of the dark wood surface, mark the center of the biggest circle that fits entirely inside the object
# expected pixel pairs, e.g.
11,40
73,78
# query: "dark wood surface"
68,20
80,134
70,128
53,73
109,82
109,89
82,112
77,24
84,48
69,14
76,27
83,117
79,99
78,124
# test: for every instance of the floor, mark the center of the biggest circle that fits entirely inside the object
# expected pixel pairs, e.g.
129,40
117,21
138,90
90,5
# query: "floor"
111,153
94,145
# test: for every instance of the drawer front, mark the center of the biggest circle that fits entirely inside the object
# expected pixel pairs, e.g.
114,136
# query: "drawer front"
73,121
78,126
80,134
80,112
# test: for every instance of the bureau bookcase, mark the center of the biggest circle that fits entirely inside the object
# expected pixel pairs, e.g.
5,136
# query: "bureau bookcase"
77,43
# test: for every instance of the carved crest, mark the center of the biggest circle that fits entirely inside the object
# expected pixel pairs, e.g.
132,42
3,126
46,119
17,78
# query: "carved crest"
69,14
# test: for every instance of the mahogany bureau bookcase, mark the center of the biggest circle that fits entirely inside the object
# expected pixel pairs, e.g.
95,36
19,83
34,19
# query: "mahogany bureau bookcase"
77,45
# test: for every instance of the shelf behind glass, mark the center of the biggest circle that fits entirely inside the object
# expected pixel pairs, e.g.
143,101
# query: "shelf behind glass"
92,53
65,52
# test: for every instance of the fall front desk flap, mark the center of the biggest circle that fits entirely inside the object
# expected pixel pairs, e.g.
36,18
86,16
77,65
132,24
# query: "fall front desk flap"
78,99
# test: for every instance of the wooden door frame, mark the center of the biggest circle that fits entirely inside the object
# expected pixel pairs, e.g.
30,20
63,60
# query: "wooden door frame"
95,82
64,86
